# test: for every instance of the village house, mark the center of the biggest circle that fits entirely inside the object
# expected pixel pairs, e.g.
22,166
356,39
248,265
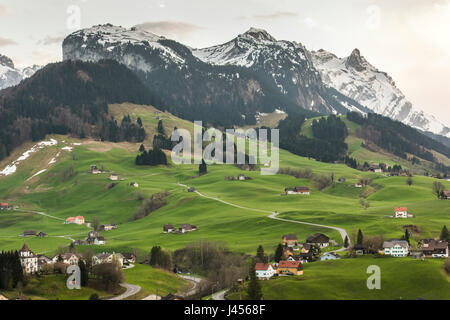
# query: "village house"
4,206
434,248
94,170
330,256
287,252
191,189
290,268
264,271
129,258
113,177
98,241
303,257
241,177
43,260
305,247
107,258
401,212
396,248
341,180
319,239
290,240
446,195
42,234
298,190
28,260
375,168
359,249
134,184
107,227
186,228
67,258
75,220
168,228
358,185
28,233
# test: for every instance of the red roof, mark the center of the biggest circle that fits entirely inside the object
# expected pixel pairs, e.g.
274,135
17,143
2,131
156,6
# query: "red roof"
4,204
80,217
401,209
262,266
290,264
70,219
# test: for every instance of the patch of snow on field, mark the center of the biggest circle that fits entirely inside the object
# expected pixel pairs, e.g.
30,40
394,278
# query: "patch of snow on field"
10,169
37,173
67,148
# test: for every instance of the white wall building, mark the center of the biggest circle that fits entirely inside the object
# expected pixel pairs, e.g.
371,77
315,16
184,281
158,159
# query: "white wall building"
396,248
28,260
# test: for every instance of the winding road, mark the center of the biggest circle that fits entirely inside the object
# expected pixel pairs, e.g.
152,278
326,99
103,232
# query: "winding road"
132,289
273,215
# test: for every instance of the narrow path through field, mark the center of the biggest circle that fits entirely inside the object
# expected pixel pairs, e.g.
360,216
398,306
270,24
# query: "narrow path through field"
41,213
273,215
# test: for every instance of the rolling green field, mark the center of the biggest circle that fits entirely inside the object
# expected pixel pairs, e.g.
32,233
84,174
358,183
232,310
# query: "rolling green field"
346,279
155,281
67,188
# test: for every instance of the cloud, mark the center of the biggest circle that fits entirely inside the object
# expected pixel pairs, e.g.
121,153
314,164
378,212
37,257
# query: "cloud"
49,40
174,29
7,42
271,16
5,11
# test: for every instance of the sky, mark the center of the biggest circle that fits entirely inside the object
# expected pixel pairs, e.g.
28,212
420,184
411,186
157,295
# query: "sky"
408,39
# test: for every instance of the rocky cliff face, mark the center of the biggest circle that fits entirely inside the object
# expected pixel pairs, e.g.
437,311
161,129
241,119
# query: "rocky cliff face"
356,78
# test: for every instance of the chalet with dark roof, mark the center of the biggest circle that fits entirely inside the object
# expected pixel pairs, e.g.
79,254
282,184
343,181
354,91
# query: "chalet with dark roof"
319,239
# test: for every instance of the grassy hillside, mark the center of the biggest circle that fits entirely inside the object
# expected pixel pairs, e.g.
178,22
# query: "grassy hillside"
346,279
68,189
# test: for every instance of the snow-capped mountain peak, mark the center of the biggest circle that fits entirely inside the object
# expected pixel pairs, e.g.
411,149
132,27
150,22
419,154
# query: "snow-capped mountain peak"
259,34
355,77
10,75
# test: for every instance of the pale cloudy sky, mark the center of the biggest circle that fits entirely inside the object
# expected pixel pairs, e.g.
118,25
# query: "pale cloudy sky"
409,39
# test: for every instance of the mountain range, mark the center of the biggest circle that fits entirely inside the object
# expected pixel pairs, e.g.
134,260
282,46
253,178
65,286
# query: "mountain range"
254,72
10,75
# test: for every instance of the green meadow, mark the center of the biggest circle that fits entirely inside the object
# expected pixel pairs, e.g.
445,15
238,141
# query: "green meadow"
346,279
67,189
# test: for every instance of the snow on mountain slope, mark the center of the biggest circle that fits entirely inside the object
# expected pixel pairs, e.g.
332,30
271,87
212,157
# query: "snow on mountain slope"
10,76
356,78
113,42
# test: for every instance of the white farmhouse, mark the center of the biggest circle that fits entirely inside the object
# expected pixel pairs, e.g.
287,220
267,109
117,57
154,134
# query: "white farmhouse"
401,212
264,271
28,260
396,248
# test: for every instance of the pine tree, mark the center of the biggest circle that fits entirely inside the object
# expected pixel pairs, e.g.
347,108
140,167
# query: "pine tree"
160,127
202,168
278,253
84,273
346,242
360,237
141,148
445,234
406,235
260,254
254,288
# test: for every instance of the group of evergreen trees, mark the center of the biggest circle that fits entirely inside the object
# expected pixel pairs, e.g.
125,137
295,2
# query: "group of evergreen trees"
127,131
153,157
317,147
71,97
11,272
